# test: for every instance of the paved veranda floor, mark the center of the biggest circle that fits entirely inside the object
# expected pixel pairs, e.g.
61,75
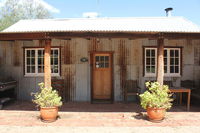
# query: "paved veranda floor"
97,115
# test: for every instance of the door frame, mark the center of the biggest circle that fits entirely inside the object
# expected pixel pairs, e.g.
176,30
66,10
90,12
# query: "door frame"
91,73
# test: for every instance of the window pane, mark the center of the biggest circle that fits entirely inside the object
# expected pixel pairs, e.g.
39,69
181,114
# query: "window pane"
28,53
101,58
28,69
55,61
55,69
148,61
40,69
171,69
40,53
153,53
176,61
55,53
165,61
171,61
39,61
33,53
148,69
97,58
101,65
148,52
152,61
33,69
171,53
33,61
165,53
153,69
28,61
106,58
176,53
176,69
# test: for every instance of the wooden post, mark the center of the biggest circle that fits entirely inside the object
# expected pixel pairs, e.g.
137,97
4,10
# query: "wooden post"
47,64
160,61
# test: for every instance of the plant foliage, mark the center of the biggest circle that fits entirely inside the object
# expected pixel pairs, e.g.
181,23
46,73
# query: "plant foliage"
156,96
47,97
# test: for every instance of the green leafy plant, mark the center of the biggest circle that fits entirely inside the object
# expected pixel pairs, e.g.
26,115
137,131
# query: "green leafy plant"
47,97
156,96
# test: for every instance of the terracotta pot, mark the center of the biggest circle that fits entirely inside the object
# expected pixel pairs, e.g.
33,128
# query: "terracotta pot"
49,114
156,114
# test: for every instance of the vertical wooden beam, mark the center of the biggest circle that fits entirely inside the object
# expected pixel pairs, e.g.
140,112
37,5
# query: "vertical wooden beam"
47,64
160,61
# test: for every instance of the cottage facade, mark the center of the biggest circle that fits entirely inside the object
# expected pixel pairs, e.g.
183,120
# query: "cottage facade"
95,57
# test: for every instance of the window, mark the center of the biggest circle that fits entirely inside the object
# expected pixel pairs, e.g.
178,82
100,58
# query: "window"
34,62
102,61
171,61
150,61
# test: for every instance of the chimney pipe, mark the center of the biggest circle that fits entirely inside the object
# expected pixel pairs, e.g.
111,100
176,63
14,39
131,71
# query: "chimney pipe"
168,11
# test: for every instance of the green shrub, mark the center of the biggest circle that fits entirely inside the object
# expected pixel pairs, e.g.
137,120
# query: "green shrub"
156,96
47,97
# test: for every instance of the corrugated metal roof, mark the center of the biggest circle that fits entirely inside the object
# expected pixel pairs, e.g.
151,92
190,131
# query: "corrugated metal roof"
139,24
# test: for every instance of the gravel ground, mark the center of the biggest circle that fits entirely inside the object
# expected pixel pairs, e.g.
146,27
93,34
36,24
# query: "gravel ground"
48,129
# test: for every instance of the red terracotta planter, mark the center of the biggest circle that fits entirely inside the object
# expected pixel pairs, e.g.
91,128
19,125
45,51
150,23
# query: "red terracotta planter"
48,114
156,114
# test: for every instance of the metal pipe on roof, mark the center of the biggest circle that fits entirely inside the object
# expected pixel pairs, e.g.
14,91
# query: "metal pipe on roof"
168,11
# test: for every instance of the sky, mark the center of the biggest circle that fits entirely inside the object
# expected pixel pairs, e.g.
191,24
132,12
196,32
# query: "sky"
189,9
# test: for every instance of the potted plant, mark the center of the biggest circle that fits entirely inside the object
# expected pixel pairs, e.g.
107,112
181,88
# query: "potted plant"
156,99
48,101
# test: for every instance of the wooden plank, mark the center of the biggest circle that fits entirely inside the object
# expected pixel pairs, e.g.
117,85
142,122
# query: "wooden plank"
16,53
47,64
64,35
160,61
22,36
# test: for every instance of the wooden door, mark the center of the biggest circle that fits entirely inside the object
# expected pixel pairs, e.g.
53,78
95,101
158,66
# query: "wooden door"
102,76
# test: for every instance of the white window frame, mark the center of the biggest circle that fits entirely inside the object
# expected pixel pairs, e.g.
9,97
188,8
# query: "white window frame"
168,74
150,74
36,63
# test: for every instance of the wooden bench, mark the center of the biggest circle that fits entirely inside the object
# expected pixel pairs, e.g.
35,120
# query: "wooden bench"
131,89
58,84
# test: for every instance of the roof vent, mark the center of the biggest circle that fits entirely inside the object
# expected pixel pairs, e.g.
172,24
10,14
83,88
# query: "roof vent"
168,11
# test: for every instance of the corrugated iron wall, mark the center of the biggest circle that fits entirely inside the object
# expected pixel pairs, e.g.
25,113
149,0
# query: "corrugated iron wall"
68,61
127,60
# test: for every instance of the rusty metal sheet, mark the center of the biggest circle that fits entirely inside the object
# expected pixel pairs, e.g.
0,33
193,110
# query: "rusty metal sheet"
70,83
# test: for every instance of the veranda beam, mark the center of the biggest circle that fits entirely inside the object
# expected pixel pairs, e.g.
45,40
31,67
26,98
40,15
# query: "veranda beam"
160,61
47,63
